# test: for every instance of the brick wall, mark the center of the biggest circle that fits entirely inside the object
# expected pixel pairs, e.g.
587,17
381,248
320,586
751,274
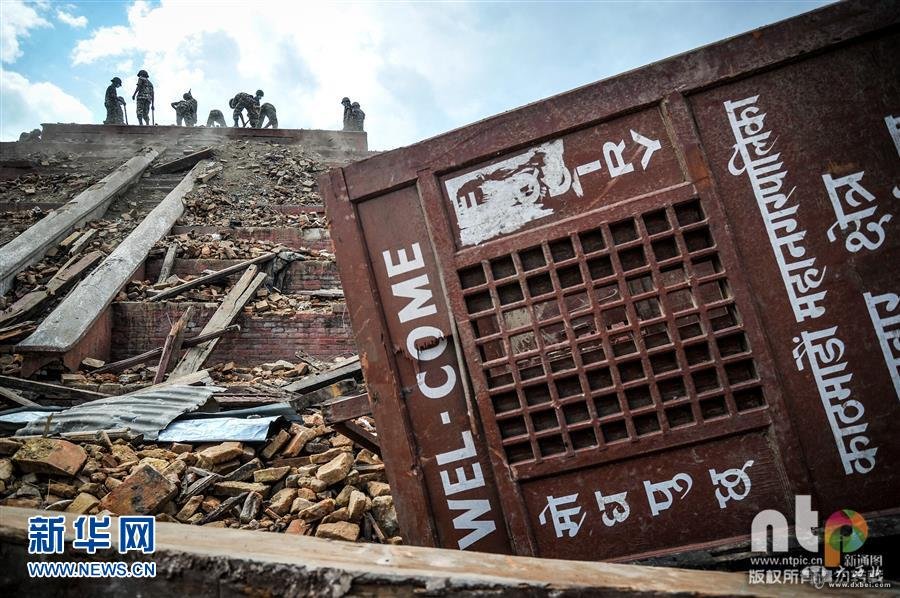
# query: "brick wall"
139,327
300,276
310,238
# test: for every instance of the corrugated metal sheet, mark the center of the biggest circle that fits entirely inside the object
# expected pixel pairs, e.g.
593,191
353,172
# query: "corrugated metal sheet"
144,412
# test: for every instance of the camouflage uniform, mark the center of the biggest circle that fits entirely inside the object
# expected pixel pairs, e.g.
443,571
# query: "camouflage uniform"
216,119
357,117
186,110
267,110
244,101
113,104
144,93
347,112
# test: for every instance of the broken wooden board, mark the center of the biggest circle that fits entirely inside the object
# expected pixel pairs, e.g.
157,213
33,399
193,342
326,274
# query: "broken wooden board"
348,369
172,346
142,357
62,330
346,408
30,246
224,272
204,562
184,162
231,306
64,278
166,270
52,391
16,398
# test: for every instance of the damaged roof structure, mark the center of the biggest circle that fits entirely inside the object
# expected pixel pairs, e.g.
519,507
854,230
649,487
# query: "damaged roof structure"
572,349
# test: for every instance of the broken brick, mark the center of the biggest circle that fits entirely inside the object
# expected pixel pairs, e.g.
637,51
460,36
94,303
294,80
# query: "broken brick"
47,455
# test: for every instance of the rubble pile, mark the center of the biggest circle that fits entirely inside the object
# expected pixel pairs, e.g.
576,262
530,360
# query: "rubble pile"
105,237
16,221
252,183
216,246
305,479
272,375
58,181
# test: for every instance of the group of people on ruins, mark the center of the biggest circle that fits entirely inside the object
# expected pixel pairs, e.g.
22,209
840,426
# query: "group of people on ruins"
258,112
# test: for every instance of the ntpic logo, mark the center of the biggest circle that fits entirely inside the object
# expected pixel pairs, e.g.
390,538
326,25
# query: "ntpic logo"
845,531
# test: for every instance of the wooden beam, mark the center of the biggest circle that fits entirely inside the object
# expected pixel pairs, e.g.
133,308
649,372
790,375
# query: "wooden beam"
49,390
172,346
184,162
207,561
359,435
224,272
231,306
29,247
61,331
346,408
323,379
141,358
16,398
166,270
82,241
64,278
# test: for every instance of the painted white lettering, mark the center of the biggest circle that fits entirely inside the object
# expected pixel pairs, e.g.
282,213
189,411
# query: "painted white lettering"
437,392
416,308
467,452
467,520
651,146
729,480
616,167
404,264
665,488
464,483
417,334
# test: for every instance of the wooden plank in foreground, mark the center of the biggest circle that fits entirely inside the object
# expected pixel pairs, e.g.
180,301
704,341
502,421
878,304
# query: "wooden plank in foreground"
204,561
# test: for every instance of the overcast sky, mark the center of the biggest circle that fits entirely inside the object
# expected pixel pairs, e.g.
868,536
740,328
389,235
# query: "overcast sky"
417,68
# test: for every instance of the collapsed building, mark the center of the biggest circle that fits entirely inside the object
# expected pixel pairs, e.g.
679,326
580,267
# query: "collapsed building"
572,331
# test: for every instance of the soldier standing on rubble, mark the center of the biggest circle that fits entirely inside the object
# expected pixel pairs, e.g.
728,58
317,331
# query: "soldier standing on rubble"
357,117
113,103
216,118
244,101
347,111
145,99
186,110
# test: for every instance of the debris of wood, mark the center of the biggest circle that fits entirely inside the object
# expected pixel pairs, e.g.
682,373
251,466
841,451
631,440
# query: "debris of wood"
172,346
212,277
234,302
168,261
142,357
184,162
331,485
64,278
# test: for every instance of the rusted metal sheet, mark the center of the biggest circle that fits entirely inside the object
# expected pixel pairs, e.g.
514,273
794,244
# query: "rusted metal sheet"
654,304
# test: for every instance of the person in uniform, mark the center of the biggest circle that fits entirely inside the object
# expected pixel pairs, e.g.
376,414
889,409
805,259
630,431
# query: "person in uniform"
357,117
113,104
143,93
244,101
267,110
347,111
186,110
216,119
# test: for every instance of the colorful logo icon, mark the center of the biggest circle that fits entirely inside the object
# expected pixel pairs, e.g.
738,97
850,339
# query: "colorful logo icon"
845,531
